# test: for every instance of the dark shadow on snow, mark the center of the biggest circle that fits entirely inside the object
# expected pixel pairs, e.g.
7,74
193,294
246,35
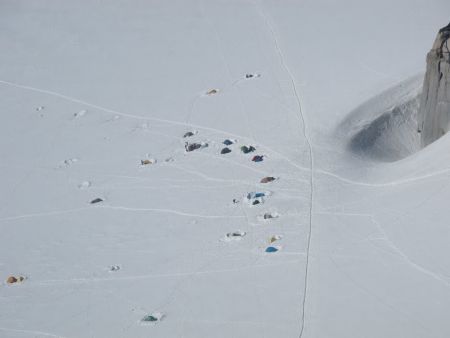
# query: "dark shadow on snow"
385,127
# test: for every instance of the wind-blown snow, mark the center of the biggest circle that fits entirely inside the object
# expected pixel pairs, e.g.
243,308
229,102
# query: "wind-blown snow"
95,101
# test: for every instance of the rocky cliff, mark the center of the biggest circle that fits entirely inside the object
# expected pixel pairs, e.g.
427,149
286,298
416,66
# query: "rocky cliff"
434,111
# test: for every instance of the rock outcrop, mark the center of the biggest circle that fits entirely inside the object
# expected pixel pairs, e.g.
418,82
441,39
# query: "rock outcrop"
434,111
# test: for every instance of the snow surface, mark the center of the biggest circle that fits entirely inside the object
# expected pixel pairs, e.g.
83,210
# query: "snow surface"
88,90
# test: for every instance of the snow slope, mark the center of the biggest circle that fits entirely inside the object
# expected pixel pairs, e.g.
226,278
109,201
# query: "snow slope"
90,89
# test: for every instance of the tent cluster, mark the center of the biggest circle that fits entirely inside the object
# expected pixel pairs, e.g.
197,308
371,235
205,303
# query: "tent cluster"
251,149
255,198
226,149
15,279
228,143
188,138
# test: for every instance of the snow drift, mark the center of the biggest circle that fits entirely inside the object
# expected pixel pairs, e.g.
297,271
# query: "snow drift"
385,127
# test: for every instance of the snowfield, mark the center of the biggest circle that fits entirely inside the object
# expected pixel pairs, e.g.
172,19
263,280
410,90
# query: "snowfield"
119,231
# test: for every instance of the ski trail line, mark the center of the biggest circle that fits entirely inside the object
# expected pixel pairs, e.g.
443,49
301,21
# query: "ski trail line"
112,207
40,333
227,65
41,214
386,184
311,156
169,211
198,272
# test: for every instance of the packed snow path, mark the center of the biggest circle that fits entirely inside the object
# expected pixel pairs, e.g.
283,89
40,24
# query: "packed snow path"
311,165
126,218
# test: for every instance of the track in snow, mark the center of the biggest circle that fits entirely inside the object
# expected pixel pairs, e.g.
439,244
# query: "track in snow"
311,155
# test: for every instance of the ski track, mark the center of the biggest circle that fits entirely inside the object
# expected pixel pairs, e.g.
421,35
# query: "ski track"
380,300
387,184
171,186
170,211
207,177
311,156
192,107
280,325
379,73
42,214
397,251
99,207
40,333
51,282
405,257
227,66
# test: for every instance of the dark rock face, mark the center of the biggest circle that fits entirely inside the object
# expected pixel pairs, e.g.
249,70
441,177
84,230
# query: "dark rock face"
434,112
